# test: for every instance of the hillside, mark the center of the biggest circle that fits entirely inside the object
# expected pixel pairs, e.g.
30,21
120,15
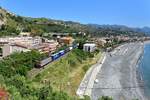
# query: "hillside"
70,68
12,24
52,82
117,30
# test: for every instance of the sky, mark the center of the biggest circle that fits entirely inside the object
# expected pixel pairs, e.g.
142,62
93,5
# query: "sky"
133,13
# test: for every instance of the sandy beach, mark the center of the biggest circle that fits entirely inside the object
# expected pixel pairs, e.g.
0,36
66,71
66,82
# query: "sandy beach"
119,77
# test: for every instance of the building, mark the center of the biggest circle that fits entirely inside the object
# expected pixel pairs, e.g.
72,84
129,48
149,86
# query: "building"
48,47
26,43
11,48
55,35
100,42
66,40
89,47
52,45
22,40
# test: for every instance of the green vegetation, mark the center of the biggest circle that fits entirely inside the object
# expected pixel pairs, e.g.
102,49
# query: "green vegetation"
19,63
21,88
52,84
86,98
60,79
37,26
105,98
13,79
67,73
81,41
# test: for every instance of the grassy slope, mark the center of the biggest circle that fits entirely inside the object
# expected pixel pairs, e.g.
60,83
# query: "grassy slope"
64,75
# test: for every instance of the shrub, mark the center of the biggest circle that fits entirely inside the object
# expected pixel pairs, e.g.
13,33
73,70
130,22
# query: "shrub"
86,67
105,98
72,63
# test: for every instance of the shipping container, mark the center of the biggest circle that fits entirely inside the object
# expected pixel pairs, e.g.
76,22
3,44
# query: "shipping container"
55,56
70,48
43,62
67,50
61,53
46,61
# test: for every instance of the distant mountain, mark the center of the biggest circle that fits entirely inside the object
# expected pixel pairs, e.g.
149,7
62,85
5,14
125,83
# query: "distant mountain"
146,30
116,27
119,29
11,24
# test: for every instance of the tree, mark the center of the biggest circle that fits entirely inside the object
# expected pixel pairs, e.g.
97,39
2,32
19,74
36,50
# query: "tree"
60,96
14,93
86,98
45,93
2,80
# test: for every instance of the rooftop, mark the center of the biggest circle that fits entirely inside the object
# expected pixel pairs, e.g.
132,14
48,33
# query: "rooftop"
89,44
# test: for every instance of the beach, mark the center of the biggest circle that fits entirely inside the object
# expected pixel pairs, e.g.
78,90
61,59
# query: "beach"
118,76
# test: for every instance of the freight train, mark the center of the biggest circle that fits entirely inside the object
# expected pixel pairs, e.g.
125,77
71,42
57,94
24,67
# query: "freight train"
54,57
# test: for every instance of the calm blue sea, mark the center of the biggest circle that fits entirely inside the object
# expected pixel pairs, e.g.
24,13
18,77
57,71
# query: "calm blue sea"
145,68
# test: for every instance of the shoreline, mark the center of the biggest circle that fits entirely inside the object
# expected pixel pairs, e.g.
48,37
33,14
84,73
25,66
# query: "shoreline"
140,73
146,42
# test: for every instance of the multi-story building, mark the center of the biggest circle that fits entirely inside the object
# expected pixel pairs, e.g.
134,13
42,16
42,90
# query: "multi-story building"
21,40
18,44
11,48
89,47
66,40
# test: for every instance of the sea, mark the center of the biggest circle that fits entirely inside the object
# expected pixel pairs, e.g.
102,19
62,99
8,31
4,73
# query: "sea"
144,67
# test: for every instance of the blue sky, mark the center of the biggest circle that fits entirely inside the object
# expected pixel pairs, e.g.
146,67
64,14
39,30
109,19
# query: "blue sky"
135,13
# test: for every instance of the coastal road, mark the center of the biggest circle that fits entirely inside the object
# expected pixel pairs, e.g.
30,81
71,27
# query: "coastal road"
118,76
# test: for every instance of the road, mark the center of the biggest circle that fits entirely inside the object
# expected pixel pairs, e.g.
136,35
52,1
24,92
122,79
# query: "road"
118,75
88,80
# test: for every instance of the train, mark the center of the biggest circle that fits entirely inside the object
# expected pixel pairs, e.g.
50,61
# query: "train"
54,57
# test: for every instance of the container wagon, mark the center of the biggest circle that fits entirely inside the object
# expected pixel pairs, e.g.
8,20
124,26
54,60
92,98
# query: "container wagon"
55,56
70,48
43,62
61,53
67,50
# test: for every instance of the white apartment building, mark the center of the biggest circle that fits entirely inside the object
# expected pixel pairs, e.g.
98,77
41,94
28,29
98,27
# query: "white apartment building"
89,47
